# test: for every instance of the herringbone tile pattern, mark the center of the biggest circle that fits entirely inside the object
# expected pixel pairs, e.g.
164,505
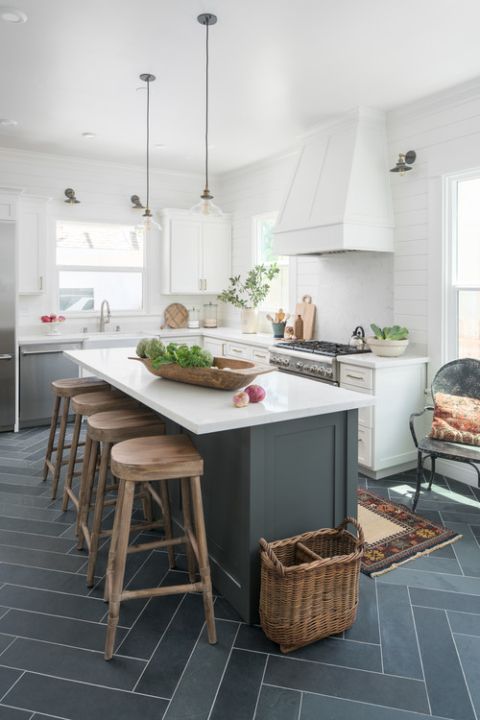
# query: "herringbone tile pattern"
413,653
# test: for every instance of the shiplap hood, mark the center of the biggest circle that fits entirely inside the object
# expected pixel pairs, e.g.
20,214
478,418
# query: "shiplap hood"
339,196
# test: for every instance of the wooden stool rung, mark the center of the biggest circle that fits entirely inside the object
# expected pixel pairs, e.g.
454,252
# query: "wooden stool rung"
140,547
72,497
155,496
164,590
190,537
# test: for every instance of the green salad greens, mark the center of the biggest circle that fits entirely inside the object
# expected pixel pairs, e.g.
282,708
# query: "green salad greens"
182,355
390,333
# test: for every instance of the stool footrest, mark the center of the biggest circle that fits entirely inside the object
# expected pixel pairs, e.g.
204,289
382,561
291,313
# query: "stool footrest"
159,591
156,544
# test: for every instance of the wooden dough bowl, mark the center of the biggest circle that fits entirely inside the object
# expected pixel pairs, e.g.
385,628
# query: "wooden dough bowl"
226,374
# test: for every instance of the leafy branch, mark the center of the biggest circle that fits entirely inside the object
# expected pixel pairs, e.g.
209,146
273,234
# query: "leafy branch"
254,290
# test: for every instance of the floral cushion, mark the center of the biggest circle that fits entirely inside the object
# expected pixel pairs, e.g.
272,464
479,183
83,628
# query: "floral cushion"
456,419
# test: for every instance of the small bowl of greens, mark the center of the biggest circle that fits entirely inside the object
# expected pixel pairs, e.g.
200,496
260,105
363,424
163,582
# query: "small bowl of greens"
388,341
196,366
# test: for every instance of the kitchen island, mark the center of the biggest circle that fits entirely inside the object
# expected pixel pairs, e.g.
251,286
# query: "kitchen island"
272,469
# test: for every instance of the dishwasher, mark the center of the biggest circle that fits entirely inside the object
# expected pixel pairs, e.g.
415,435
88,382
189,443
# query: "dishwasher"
39,366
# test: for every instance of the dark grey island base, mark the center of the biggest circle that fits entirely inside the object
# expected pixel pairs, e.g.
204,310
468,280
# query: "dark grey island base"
271,481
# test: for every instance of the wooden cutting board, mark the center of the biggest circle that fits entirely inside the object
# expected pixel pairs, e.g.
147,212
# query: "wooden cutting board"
176,316
307,310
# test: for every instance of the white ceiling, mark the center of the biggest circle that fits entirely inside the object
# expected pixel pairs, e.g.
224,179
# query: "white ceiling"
277,68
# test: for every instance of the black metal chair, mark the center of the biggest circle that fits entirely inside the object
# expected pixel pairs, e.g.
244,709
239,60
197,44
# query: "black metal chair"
459,377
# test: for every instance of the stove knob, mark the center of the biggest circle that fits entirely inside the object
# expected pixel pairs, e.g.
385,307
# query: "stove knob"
286,362
329,372
299,365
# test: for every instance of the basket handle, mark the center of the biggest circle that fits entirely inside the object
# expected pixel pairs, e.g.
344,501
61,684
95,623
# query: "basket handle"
352,521
267,549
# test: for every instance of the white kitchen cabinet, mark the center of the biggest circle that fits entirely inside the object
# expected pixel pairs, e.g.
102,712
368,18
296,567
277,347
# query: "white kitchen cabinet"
384,439
215,347
196,254
32,244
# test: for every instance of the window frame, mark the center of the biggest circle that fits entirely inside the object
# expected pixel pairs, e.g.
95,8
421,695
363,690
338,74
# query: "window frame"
256,220
451,286
144,310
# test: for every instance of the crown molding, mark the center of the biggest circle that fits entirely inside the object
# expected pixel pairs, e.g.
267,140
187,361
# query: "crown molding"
436,102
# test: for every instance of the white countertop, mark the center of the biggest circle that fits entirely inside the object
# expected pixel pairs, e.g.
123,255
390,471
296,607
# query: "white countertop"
220,333
204,410
374,361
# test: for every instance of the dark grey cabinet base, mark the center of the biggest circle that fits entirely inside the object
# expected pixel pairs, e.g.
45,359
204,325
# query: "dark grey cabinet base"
271,481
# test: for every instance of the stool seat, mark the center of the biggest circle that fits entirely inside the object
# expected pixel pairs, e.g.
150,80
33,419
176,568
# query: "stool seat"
114,426
156,458
68,387
88,404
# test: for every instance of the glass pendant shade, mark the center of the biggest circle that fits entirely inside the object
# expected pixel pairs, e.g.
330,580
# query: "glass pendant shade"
206,207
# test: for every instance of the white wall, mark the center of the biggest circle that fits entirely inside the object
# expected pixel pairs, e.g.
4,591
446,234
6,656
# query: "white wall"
444,130
104,190
350,289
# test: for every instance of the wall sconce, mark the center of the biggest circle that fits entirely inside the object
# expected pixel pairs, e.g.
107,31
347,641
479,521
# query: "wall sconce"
136,203
405,162
71,199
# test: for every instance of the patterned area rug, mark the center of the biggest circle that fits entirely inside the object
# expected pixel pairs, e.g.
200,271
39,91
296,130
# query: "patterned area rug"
394,535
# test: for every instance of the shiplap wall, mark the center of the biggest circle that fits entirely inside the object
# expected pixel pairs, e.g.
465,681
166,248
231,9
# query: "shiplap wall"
104,190
444,130
349,289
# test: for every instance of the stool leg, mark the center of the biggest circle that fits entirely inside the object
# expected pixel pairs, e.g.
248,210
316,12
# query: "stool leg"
98,513
61,443
187,524
71,461
88,478
119,568
167,522
51,437
204,565
113,542
147,504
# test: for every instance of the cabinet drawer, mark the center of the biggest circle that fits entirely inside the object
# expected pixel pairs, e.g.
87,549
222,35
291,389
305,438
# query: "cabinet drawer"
234,350
357,376
366,415
213,346
261,356
365,443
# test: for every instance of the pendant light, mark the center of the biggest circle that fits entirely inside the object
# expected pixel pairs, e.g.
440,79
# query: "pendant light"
206,206
148,222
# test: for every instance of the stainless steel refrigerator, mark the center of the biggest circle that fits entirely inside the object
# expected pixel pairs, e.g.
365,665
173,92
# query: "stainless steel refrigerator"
7,326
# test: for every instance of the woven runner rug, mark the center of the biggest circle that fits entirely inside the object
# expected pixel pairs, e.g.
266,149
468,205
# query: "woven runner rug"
394,535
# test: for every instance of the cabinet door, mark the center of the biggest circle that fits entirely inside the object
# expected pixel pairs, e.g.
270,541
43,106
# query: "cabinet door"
185,262
216,256
32,230
213,346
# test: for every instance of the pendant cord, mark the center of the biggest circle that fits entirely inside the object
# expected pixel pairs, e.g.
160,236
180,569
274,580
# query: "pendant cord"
148,145
206,104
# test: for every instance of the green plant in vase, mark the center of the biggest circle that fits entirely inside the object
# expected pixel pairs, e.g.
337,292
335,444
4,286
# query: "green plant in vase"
249,294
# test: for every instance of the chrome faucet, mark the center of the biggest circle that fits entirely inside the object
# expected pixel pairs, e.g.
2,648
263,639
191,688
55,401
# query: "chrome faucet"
104,320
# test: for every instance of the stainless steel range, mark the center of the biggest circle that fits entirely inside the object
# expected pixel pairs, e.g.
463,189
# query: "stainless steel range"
312,358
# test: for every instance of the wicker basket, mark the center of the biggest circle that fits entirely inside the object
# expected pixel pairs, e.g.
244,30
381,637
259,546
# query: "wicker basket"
310,584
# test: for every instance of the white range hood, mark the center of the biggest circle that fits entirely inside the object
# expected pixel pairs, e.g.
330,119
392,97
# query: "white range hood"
339,197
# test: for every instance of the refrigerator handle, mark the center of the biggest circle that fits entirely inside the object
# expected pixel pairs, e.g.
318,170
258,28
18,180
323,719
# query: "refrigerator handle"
5,356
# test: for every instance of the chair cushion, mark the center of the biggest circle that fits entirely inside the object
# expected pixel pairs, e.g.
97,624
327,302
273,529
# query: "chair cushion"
456,419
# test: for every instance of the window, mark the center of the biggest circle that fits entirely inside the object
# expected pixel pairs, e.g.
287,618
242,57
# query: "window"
464,297
278,297
97,261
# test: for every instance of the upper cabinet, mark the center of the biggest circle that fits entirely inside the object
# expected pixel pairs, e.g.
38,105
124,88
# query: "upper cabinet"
32,218
196,256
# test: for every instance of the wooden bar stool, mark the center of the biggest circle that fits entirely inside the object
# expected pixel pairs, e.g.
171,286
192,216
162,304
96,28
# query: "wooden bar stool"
85,405
63,391
144,460
104,430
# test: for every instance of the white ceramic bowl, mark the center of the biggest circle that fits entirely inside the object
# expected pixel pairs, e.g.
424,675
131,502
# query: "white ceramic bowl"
387,348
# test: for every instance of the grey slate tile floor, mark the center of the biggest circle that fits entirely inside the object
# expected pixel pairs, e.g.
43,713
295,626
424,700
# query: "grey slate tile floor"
413,653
